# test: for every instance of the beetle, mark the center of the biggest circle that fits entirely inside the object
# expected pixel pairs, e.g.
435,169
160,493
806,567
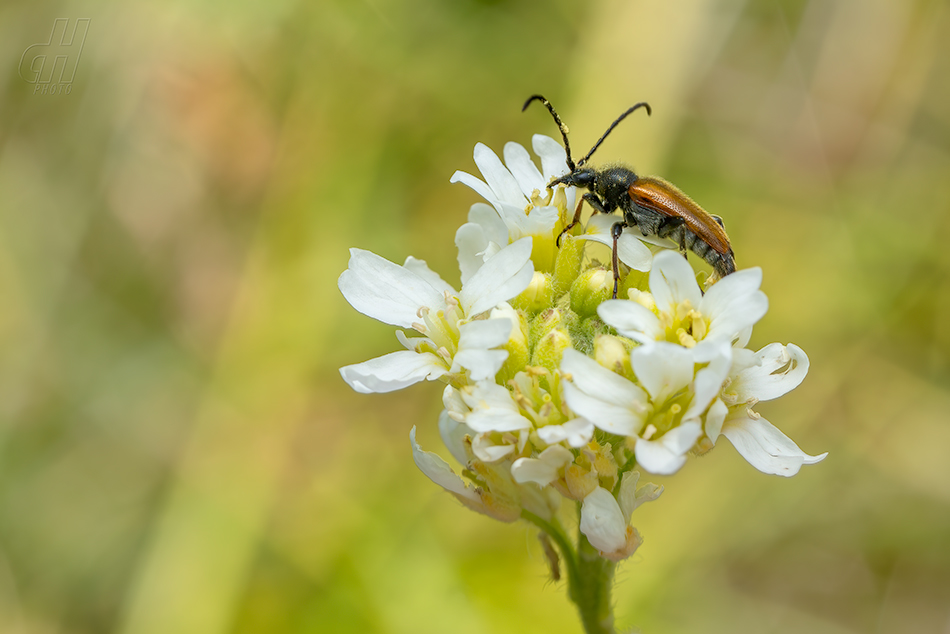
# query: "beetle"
653,205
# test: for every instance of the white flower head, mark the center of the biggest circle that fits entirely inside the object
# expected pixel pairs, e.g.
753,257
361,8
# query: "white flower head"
553,391
765,375
677,311
413,296
663,418
605,520
521,203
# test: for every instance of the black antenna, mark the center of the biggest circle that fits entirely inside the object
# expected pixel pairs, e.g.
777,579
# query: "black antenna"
613,125
560,125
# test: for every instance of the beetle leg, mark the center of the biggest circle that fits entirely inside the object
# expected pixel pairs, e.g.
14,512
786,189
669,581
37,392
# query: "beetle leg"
615,232
719,220
596,203
577,217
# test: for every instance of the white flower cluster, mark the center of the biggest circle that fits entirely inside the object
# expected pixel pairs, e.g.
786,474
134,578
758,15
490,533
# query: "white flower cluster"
552,389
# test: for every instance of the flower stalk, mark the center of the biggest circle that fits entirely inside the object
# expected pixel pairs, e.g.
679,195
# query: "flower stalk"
591,593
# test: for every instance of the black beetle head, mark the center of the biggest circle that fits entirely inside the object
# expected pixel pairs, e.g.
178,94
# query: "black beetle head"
583,177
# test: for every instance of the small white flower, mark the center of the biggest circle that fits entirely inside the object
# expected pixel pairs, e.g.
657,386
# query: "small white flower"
608,400
413,296
576,432
515,189
544,469
492,408
439,471
676,310
765,375
489,414
666,418
523,205
605,521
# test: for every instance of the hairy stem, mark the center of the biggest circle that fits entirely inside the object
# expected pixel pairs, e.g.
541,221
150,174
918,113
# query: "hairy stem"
591,592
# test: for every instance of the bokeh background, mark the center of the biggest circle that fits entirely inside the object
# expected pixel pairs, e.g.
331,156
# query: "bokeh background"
177,451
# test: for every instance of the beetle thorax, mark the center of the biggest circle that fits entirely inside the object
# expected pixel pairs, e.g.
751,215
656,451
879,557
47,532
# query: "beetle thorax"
612,182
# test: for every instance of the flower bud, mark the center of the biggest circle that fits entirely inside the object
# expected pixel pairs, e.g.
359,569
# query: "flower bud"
517,345
538,296
550,349
567,264
613,354
579,482
589,290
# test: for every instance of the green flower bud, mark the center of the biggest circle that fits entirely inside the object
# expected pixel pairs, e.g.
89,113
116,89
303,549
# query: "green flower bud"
538,296
550,349
590,289
567,264
613,353
517,345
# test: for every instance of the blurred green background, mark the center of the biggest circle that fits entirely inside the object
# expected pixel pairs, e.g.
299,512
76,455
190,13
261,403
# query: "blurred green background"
178,453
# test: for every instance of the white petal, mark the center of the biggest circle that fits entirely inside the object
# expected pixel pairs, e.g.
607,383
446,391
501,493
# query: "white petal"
673,281
603,522
544,469
540,221
615,419
782,369
454,404
495,228
577,432
715,417
740,283
386,291
631,320
515,219
663,368
484,333
487,451
503,276
523,169
709,381
599,382
734,303
599,227
420,268
742,339
414,343
630,249
478,185
392,371
471,241
453,435
765,447
552,155
518,330
497,176
666,455
481,364
630,497
492,408
438,471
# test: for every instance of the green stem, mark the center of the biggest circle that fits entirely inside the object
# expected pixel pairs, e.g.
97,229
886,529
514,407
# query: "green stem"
556,533
589,576
591,593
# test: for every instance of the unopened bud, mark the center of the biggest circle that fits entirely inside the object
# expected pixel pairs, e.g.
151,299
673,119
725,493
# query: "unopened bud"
612,353
550,349
538,296
590,290
567,264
